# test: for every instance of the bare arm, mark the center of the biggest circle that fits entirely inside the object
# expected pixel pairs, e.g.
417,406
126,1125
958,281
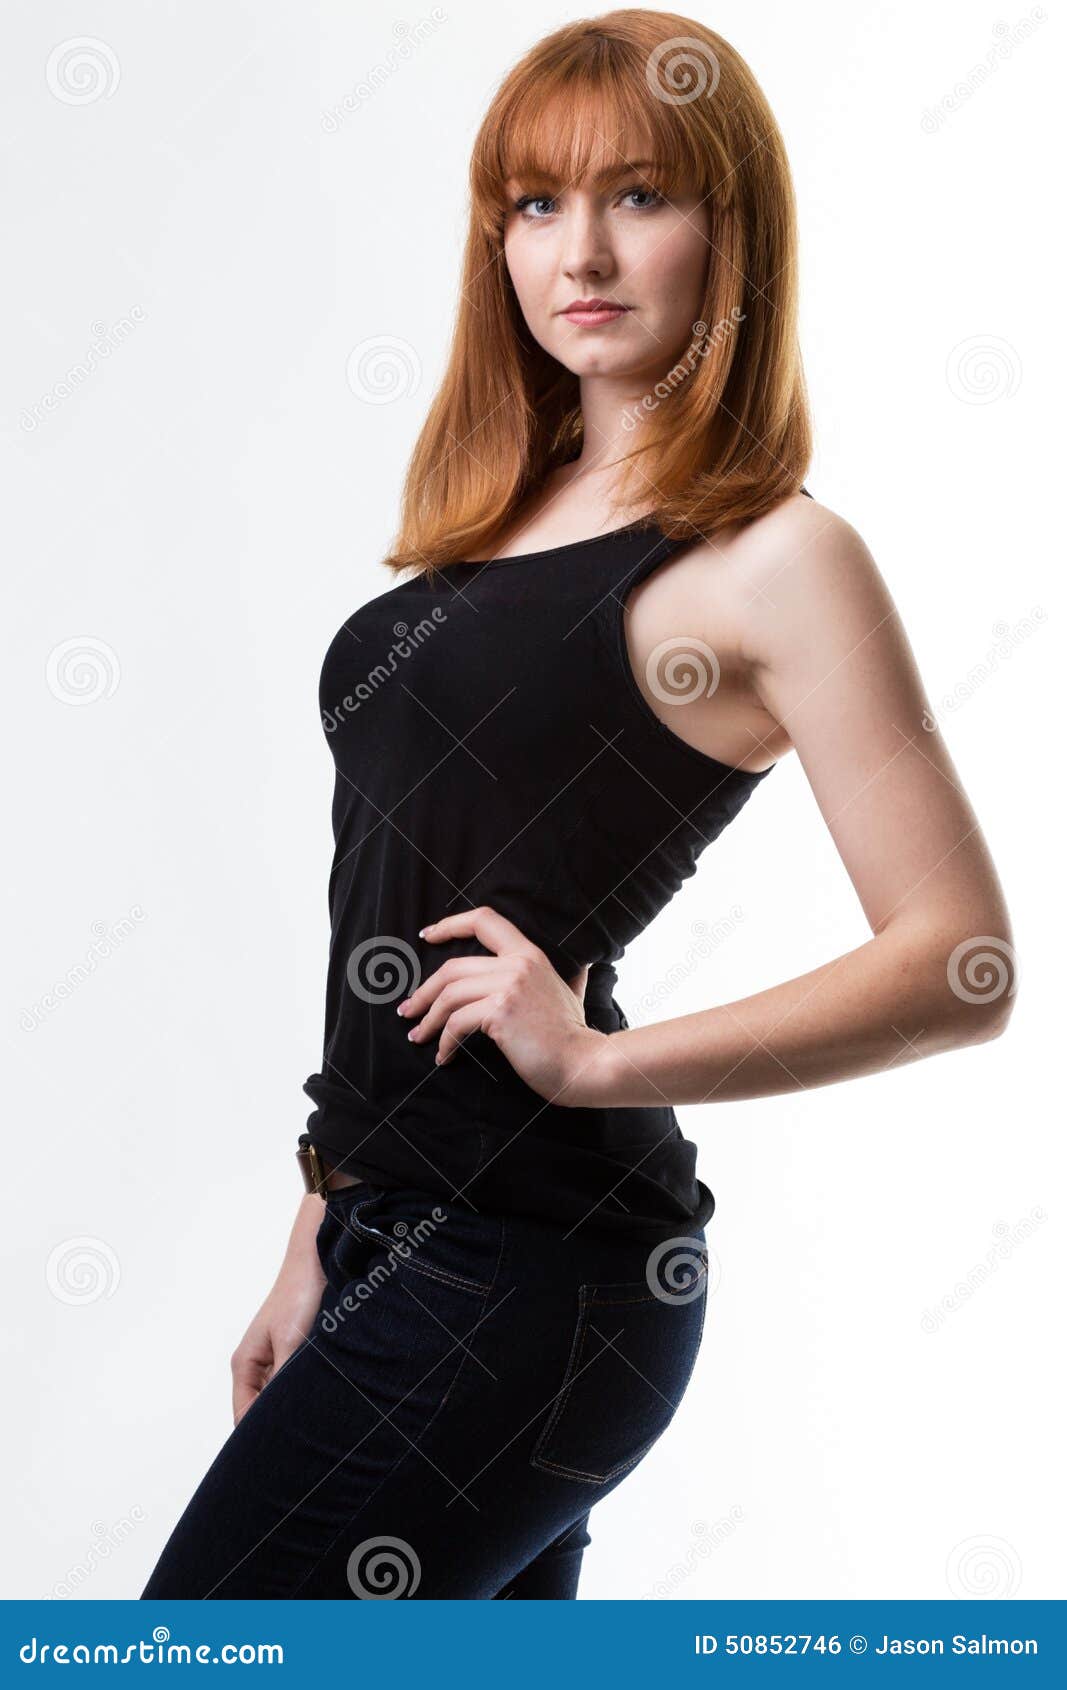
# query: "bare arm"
285,1317
833,665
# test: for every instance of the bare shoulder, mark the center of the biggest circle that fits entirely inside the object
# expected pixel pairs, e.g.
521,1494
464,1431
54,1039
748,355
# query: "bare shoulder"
800,575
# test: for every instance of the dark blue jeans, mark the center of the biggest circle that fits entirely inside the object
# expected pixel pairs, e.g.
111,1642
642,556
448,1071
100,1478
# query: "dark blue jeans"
471,1386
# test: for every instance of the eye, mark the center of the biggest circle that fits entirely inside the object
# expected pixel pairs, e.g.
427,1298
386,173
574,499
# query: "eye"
652,195
533,199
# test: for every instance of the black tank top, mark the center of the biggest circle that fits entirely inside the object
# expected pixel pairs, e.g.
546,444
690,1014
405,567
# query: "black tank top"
492,746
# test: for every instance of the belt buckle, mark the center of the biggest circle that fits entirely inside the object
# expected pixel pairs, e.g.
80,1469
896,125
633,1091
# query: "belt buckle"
313,1169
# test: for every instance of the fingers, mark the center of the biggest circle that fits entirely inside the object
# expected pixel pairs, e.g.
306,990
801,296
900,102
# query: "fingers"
457,968
485,924
249,1378
460,1024
441,1017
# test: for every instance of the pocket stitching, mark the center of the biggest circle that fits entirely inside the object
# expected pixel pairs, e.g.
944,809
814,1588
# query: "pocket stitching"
354,1224
447,1278
589,1300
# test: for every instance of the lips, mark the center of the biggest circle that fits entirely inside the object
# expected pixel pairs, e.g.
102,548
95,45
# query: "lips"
590,313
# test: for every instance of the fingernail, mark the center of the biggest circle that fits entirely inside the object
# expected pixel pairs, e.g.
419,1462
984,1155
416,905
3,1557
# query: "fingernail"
400,1008
412,1033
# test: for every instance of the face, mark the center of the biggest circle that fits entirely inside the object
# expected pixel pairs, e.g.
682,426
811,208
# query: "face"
620,242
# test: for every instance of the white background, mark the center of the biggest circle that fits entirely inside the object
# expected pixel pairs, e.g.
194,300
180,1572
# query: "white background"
212,500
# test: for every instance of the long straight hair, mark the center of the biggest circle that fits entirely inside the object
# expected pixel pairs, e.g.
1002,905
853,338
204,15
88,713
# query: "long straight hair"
728,434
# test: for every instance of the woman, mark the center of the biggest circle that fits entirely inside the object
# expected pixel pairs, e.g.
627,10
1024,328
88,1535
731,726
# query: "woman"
622,608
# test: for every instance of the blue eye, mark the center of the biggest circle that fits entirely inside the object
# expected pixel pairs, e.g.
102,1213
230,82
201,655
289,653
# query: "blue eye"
532,199
652,195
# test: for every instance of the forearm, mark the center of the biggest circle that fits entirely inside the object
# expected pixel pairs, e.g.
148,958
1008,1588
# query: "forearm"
887,1002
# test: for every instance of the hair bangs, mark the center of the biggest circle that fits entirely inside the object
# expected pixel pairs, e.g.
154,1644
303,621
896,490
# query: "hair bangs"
600,123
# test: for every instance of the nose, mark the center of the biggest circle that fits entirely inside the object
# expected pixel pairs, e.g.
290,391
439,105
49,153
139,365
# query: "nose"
586,247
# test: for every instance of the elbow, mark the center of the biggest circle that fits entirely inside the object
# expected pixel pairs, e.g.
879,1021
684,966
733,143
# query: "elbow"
980,995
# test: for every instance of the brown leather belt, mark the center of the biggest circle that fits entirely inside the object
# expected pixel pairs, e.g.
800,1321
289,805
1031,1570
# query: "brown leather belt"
319,1175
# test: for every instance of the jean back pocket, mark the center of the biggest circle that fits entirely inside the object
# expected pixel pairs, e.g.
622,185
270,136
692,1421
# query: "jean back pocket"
631,1358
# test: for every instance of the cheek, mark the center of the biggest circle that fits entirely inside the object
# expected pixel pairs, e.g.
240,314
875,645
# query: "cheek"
673,273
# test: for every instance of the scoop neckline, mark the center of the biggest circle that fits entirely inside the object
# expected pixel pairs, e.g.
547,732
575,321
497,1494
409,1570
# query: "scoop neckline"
550,551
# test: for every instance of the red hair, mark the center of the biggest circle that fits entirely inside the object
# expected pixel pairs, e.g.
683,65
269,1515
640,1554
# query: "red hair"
732,434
